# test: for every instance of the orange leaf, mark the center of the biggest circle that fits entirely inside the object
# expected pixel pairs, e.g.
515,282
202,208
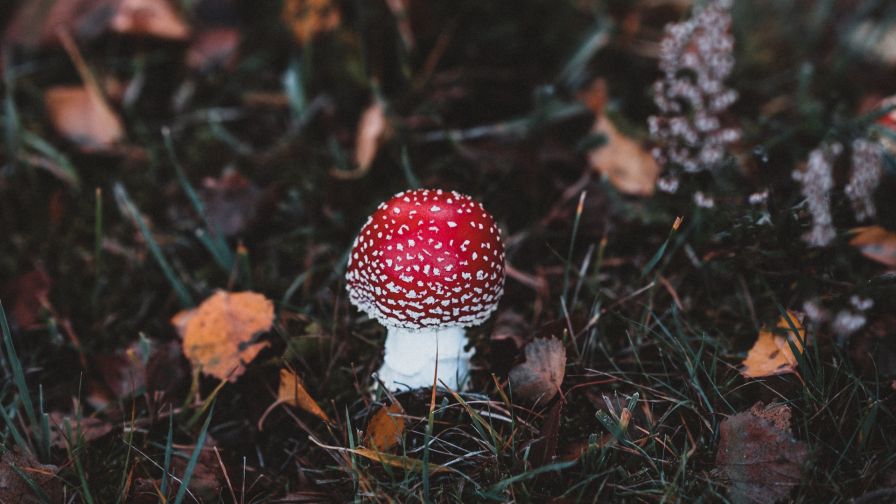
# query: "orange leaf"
308,18
293,392
82,115
771,354
385,428
218,336
876,243
155,18
630,168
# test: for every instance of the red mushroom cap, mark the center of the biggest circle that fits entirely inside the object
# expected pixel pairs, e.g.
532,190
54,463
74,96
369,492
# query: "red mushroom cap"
427,258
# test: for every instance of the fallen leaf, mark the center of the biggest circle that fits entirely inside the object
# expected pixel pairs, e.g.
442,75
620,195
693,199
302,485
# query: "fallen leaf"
29,292
875,243
231,202
630,168
154,18
124,371
292,391
771,354
214,48
595,96
81,114
207,482
511,326
218,335
758,455
36,24
373,130
87,428
309,18
14,488
385,427
540,376
406,463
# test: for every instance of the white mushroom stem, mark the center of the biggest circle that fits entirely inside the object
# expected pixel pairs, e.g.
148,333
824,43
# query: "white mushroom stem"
410,360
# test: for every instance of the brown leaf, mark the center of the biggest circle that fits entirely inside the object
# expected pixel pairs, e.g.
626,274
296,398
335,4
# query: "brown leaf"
309,18
154,18
758,455
218,335
123,371
81,114
511,326
28,291
875,243
231,202
36,25
385,427
293,392
540,376
771,354
373,130
630,168
214,48
13,488
88,428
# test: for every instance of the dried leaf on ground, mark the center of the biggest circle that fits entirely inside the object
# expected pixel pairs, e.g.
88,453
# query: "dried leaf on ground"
540,376
772,354
758,455
511,326
373,131
207,482
876,243
292,391
153,18
218,336
309,18
36,24
385,427
231,202
214,48
81,114
88,428
15,489
28,291
625,163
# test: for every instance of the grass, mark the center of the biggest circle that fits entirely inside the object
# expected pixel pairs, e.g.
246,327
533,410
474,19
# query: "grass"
656,317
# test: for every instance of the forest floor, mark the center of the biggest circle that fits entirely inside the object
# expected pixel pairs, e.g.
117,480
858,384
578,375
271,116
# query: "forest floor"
731,340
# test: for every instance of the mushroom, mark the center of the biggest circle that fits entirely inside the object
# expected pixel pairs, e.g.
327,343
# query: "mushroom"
427,264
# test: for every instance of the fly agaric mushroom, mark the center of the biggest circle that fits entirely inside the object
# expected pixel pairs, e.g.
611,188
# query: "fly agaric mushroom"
427,264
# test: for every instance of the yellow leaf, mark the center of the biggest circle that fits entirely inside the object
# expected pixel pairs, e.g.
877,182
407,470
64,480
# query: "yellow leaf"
630,168
386,427
308,18
772,354
406,463
83,117
876,243
292,392
218,336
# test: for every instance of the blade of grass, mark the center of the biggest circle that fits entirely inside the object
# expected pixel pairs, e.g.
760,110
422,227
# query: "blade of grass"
214,241
572,243
130,210
194,458
18,374
169,449
74,454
